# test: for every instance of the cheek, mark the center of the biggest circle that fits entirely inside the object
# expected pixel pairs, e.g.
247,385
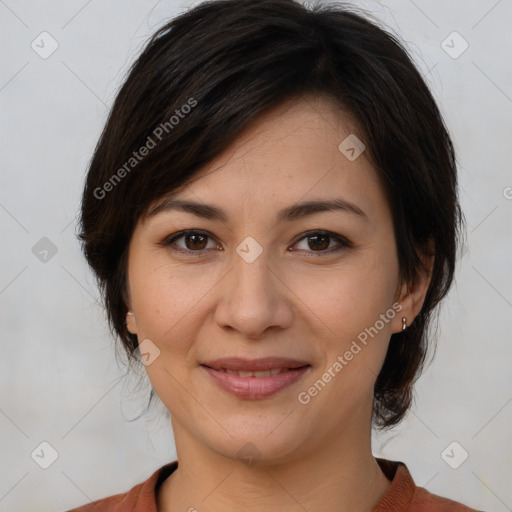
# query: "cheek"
160,292
166,302
354,311
349,299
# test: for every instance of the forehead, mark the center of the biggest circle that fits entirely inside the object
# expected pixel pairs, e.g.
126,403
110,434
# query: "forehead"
289,154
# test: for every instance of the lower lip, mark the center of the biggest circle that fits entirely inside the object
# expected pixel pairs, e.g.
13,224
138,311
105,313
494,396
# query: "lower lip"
254,388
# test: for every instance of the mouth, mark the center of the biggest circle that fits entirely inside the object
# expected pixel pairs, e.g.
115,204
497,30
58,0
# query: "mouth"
262,364
263,373
256,378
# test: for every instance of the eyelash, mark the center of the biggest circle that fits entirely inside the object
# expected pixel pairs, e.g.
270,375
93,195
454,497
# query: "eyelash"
169,241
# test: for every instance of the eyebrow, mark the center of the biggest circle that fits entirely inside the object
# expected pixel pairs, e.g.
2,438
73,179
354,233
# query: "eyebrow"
290,213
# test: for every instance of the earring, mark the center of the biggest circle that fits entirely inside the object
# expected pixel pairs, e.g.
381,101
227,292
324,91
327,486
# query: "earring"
129,313
404,323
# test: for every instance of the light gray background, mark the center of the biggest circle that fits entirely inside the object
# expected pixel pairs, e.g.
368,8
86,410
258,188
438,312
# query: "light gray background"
60,380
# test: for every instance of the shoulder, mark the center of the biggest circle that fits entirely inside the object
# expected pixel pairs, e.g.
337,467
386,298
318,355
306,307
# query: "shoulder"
404,496
141,498
110,504
424,501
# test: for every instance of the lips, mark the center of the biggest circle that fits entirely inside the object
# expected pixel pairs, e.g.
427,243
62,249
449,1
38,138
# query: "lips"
256,378
264,364
265,373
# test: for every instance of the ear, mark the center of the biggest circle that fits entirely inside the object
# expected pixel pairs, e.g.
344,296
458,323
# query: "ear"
131,323
412,294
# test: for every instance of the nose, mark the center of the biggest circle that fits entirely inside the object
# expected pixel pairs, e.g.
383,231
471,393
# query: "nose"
254,298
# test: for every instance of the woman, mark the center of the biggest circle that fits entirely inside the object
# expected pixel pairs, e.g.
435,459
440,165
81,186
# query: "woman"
272,215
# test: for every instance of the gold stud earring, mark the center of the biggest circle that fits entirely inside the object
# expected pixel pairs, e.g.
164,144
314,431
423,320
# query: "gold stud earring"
128,313
404,323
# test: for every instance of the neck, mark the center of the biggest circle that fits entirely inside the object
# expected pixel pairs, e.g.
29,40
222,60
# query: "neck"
341,474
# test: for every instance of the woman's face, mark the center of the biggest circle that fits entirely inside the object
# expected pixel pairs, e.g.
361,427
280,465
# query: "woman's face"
264,277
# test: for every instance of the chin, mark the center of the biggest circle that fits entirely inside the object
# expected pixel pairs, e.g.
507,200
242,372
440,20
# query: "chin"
264,446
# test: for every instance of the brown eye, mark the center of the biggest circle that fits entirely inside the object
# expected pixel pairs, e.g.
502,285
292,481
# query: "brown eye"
320,242
193,242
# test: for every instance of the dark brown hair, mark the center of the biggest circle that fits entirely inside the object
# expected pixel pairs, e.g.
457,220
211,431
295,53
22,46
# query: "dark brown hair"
208,73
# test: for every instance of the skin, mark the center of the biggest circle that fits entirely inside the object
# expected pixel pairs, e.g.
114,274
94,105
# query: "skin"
309,303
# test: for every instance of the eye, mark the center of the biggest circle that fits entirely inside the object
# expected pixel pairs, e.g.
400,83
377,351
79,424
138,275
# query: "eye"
320,241
194,241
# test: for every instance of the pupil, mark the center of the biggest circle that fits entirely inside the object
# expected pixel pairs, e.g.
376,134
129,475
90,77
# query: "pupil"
319,237
192,237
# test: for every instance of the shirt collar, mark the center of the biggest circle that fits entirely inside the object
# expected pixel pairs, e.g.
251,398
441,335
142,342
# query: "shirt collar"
400,493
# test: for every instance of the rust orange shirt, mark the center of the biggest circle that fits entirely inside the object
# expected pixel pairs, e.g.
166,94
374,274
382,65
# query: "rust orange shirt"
402,495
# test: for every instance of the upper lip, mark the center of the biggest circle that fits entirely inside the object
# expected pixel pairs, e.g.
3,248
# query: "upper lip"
254,365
